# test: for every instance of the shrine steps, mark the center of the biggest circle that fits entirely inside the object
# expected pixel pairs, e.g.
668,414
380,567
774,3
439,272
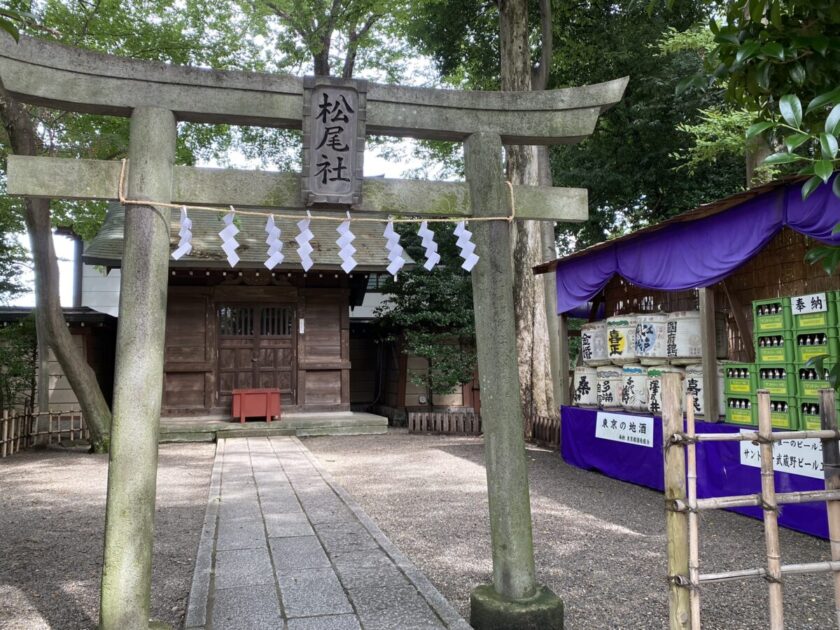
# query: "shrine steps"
212,428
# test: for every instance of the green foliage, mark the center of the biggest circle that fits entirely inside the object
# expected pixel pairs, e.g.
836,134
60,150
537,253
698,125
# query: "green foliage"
433,311
158,30
18,354
768,48
635,164
462,37
628,164
13,19
818,362
771,56
813,150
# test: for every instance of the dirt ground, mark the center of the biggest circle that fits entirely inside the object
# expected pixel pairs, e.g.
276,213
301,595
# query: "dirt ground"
600,543
52,514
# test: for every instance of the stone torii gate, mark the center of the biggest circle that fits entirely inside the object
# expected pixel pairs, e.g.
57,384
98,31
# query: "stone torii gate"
155,96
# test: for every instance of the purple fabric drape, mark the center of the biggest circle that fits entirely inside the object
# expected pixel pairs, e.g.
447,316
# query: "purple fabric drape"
719,470
699,253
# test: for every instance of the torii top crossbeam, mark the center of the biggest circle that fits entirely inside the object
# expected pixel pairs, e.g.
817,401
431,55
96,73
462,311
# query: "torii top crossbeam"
62,77
53,75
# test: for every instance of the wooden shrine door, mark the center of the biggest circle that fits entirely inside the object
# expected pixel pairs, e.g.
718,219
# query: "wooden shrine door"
257,349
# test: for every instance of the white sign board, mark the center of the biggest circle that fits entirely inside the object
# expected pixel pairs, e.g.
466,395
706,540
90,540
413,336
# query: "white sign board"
813,303
797,457
636,430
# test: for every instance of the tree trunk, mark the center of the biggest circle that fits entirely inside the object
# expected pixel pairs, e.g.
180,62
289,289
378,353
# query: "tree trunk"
757,150
536,389
79,374
321,59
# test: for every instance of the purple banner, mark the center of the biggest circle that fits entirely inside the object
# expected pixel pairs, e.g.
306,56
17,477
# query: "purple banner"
692,254
719,469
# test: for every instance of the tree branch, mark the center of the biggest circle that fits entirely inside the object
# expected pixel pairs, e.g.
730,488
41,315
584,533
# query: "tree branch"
23,140
353,45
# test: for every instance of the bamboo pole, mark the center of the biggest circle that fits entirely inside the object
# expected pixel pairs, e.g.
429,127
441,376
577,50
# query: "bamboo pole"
747,500
676,523
778,436
693,529
4,449
831,470
771,524
811,568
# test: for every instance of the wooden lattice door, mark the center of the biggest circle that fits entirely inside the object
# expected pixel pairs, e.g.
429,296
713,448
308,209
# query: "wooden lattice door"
257,349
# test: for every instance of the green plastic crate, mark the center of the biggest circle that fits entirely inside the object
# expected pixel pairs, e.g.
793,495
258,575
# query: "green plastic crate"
817,320
808,383
788,419
772,351
777,378
779,319
812,347
735,415
809,412
734,382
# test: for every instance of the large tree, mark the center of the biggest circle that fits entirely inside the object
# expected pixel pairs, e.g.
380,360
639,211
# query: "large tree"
160,30
632,165
518,72
480,44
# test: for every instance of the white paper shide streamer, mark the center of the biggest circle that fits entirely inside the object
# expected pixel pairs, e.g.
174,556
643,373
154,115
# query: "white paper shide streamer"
228,236
185,234
395,250
304,247
275,245
466,246
345,242
428,242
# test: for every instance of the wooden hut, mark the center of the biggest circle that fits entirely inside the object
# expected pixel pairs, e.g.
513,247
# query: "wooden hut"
248,326
757,240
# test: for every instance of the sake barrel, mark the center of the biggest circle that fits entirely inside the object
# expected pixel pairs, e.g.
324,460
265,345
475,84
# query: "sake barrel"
621,339
585,393
654,375
683,338
610,382
634,391
651,338
694,384
593,343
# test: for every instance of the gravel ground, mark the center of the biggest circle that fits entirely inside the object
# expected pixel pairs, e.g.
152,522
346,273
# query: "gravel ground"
52,514
600,543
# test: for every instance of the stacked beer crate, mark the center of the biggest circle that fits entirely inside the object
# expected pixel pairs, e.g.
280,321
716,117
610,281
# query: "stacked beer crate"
814,319
788,332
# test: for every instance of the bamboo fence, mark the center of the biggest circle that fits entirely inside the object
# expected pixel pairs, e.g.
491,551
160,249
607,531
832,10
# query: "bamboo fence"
542,430
444,422
23,429
683,506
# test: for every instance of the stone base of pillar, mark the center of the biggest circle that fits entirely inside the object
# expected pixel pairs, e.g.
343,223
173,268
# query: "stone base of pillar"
491,611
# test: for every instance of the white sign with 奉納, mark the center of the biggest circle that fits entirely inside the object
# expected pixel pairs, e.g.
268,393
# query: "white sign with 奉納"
813,303
636,430
797,457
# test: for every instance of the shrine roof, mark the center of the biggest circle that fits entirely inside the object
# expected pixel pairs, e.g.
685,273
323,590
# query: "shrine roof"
106,248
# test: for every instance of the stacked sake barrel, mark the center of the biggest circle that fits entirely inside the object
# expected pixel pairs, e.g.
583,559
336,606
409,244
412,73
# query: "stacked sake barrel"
625,356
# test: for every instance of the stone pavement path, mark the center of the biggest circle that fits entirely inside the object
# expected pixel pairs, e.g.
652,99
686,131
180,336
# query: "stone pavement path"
283,546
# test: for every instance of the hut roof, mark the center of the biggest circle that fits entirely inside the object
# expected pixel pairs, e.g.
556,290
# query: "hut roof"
701,212
698,248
